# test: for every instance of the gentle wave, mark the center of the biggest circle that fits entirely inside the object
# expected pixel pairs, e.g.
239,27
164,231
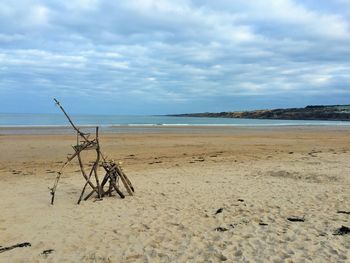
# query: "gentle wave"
177,125
104,121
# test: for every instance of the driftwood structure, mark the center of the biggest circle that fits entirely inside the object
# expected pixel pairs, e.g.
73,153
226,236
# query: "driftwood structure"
113,172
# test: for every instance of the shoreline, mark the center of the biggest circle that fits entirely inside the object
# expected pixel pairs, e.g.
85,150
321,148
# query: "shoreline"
136,129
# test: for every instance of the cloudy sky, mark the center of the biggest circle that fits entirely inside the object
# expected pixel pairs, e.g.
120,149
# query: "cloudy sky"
162,56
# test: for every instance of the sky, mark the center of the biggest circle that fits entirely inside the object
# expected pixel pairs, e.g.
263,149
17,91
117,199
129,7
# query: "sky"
161,56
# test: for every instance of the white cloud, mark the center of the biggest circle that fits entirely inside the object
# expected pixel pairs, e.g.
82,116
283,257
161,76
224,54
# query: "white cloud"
115,64
39,15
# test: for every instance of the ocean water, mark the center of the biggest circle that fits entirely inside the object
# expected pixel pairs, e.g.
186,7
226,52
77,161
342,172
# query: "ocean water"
108,121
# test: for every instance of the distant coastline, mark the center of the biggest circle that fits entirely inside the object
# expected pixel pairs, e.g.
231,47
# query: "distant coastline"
312,112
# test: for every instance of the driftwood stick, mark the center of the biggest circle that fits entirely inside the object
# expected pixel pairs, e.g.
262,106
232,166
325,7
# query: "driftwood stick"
82,192
96,164
128,181
120,171
118,191
84,174
104,181
77,151
70,121
25,244
53,189
98,187
111,176
110,188
88,196
125,184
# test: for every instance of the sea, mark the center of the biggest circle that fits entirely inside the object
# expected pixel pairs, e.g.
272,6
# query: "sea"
33,120
34,123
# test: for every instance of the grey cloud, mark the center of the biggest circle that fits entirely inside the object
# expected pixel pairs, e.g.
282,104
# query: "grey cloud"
186,53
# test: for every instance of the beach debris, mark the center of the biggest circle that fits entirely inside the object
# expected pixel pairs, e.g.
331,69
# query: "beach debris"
313,152
222,258
343,212
221,229
133,257
263,224
343,230
296,219
113,170
25,244
47,252
130,156
240,200
219,211
155,162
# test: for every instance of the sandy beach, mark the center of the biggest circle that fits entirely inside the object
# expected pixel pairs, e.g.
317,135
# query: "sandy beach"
202,195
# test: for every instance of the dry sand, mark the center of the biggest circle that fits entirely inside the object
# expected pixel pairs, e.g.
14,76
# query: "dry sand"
259,177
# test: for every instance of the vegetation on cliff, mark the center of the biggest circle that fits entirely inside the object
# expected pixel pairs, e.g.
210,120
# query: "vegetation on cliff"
318,112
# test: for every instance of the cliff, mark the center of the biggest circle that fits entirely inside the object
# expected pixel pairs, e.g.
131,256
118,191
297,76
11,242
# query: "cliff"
318,112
